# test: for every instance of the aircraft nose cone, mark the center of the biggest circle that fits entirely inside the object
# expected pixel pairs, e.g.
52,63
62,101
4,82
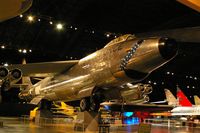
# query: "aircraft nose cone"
168,48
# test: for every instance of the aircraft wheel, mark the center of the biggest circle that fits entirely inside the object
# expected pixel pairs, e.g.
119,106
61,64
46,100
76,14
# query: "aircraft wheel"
45,104
84,104
94,104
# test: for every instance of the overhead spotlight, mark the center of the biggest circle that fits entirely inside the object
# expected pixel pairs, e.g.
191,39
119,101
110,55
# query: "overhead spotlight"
195,78
107,35
20,50
92,32
30,18
75,28
3,47
50,22
24,51
168,72
6,64
39,20
59,26
21,16
30,50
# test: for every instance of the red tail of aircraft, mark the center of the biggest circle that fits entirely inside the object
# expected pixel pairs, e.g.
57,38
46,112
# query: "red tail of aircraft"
183,100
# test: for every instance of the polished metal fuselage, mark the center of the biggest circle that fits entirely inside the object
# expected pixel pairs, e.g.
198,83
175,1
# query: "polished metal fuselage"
101,70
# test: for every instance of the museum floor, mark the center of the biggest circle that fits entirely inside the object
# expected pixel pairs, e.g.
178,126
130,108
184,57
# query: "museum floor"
16,125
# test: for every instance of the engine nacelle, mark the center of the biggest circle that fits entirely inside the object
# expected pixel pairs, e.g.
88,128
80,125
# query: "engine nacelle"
136,93
15,75
4,72
147,89
10,77
146,98
133,92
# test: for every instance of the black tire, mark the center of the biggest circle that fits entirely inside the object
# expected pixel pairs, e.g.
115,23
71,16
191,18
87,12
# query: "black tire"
84,104
94,104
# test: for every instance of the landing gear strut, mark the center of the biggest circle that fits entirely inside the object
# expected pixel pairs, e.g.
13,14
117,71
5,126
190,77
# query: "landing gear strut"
84,104
90,103
45,105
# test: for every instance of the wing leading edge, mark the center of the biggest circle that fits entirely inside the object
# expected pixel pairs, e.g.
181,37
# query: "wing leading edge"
44,69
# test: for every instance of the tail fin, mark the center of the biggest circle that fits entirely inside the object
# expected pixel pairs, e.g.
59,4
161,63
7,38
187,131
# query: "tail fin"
196,100
171,99
26,80
183,100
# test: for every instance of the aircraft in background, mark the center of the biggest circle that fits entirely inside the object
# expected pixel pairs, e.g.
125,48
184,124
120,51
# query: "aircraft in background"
196,100
109,73
182,106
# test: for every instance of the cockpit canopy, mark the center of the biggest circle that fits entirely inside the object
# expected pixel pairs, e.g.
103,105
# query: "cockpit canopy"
121,39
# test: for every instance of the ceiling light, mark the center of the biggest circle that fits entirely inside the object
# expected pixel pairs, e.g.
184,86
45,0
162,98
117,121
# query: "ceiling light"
50,22
107,35
20,50
6,64
30,18
59,26
21,16
24,51
3,47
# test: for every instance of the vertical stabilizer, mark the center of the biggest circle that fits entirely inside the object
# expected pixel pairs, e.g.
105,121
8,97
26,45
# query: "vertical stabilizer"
196,100
183,100
26,80
171,99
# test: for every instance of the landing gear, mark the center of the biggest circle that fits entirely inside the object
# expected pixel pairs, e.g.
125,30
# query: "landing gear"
90,103
84,104
45,105
44,110
94,103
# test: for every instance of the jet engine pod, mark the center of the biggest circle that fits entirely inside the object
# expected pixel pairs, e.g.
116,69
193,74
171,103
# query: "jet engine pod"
147,89
3,72
146,98
16,74
141,87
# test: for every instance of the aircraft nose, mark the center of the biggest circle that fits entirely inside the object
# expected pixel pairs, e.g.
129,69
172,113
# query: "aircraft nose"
168,48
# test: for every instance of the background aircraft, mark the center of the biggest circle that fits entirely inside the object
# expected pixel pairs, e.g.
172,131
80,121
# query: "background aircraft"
182,105
103,75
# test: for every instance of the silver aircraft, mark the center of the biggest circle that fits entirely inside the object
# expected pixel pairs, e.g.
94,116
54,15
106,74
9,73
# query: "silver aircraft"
113,72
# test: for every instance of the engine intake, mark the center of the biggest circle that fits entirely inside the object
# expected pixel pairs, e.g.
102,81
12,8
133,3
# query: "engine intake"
16,74
147,89
3,72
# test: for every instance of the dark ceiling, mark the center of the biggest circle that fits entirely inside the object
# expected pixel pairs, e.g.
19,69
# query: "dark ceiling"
101,17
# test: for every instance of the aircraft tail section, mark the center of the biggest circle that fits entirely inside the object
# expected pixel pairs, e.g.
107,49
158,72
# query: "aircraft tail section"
196,100
26,80
182,99
171,99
